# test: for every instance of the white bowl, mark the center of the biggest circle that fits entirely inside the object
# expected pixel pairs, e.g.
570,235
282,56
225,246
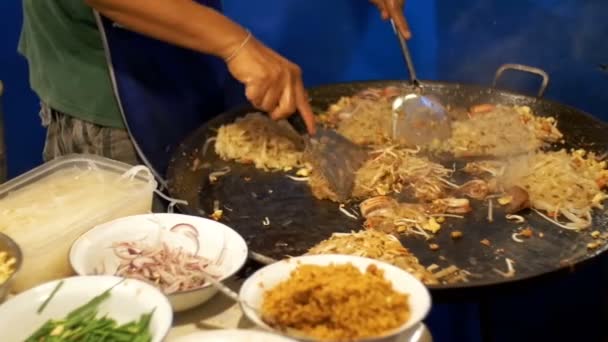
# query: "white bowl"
232,335
266,278
93,248
127,302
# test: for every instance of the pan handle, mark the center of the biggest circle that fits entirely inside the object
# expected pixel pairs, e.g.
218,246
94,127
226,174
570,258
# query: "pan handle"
524,68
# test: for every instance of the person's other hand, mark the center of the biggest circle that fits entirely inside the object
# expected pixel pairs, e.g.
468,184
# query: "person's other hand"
393,9
272,83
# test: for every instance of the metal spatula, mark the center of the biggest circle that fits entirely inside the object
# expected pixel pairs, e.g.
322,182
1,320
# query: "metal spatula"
417,119
336,158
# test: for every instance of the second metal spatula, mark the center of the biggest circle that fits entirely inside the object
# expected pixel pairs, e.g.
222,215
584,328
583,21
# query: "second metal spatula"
336,158
417,119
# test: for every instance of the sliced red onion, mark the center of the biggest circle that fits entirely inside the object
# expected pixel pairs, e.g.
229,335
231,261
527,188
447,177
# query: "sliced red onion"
141,262
166,276
220,258
121,269
172,288
171,269
180,227
189,231
194,239
133,251
123,253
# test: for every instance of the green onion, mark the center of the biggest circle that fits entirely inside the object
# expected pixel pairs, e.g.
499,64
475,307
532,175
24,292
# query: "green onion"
83,324
46,302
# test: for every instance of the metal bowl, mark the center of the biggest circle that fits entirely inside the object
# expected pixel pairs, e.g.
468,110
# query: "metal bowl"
10,246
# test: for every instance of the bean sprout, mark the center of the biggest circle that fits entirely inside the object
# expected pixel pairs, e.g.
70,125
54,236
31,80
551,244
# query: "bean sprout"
515,218
515,237
206,145
510,270
213,176
554,221
297,179
346,212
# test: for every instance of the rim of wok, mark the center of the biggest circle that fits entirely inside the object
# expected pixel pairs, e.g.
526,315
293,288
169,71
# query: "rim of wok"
428,87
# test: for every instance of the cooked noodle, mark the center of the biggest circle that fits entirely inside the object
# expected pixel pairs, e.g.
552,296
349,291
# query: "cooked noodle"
564,187
567,186
257,139
375,245
365,118
393,168
503,131
387,215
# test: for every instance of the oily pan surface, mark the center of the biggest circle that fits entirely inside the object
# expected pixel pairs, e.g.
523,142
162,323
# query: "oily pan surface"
278,216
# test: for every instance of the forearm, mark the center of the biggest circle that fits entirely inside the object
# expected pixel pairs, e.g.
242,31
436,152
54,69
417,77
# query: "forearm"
180,22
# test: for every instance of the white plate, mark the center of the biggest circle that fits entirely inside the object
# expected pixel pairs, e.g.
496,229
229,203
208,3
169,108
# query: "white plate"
93,248
266,278
232,335
127,302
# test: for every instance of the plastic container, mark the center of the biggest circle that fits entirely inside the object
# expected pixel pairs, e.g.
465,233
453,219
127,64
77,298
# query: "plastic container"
46,209
9,246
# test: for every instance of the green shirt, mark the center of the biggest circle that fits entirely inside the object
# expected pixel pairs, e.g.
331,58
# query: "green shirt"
67,64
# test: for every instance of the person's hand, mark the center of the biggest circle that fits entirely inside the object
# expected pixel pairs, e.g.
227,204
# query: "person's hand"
272,83
393,9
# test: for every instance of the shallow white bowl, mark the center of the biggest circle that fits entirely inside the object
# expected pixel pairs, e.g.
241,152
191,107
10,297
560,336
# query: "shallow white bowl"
232,335
93,248
127,302
266,278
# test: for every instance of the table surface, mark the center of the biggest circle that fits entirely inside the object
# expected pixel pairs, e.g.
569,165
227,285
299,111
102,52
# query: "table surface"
222,313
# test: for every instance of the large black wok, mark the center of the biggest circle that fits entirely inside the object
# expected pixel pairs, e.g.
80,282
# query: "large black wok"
298,221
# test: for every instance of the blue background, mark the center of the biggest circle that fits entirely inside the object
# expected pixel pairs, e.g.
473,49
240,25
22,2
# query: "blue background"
342,40
463,40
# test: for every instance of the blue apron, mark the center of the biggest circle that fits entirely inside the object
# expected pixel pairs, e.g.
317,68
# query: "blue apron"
164,91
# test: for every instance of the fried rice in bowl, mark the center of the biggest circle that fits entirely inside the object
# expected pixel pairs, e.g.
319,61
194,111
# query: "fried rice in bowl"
335,298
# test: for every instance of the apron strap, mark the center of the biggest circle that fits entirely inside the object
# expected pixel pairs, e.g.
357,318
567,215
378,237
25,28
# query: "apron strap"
164,92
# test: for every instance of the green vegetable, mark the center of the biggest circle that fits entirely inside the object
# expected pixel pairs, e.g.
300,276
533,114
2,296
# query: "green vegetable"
46,302
83,324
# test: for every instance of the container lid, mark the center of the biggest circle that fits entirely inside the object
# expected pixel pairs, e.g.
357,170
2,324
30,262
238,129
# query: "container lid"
85,161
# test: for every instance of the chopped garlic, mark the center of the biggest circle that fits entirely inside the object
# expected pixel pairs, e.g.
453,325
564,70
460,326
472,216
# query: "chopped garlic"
6,266
303,172
579,152
505,200
431,225
598,198
456,234
217,214
57,331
